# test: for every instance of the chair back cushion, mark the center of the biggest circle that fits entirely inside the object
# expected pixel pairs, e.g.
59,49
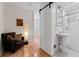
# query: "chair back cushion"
18,37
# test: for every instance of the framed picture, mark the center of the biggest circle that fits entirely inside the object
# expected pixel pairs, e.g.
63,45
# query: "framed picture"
19,22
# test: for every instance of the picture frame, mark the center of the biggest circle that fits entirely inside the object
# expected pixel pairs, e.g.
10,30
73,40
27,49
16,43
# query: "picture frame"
19,22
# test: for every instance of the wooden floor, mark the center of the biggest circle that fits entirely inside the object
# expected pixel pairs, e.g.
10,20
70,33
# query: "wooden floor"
25,51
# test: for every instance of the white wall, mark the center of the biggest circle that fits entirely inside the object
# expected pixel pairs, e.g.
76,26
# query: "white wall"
1,23
36,22
73,24
11,13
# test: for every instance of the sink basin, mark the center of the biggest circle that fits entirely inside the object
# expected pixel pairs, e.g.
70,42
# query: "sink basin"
63,34
61,40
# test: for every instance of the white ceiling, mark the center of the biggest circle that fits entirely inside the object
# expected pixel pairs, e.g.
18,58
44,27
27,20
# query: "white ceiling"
65,4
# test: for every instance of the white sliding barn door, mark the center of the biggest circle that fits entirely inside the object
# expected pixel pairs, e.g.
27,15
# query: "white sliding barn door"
46,40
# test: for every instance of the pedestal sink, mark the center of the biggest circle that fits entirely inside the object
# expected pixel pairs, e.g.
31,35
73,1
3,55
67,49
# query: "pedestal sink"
61,40
63,35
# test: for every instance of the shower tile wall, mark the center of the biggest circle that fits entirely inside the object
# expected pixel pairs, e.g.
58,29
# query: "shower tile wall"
72,19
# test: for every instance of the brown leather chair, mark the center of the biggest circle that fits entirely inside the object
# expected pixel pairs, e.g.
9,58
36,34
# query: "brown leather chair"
10,44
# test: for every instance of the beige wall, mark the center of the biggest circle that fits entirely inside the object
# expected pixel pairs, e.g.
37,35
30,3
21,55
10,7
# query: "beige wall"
1,22
11,13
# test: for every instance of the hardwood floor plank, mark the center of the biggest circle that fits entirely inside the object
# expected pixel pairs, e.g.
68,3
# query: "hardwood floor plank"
26,51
